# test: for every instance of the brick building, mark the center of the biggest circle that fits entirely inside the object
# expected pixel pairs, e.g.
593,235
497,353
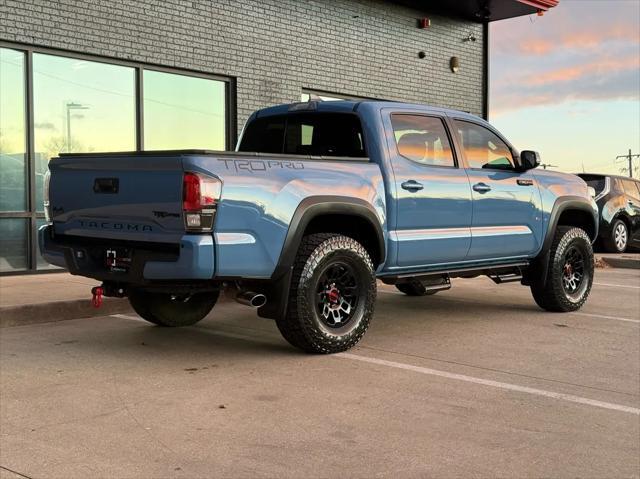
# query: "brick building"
96,75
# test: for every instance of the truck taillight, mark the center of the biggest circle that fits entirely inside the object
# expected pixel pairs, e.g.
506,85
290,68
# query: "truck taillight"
45,195
200,195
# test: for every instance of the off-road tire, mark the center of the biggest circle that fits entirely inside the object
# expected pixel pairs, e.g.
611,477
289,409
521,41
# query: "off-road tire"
609,242
414,288
302,325
552,295
162,310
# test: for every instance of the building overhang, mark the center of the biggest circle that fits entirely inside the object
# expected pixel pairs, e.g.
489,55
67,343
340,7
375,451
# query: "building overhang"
481,10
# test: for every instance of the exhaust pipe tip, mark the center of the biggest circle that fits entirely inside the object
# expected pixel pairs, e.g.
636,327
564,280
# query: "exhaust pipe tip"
249,298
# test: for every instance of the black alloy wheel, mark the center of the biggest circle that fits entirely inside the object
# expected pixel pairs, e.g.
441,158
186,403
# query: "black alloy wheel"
337,292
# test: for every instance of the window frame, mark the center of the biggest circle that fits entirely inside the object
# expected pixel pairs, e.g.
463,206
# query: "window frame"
460,145
445,125
31,214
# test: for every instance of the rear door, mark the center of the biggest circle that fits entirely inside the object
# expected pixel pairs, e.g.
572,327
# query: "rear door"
507,218
432,194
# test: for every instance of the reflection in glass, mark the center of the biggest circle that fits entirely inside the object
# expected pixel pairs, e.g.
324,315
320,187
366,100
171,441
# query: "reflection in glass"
183,112
422,139
483,148
13,244
13,141
80,106
41,262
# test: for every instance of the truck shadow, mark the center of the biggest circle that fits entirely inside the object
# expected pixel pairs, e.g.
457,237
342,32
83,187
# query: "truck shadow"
232,332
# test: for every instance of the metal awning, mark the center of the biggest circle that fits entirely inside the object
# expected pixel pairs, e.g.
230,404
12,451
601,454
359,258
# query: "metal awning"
481,10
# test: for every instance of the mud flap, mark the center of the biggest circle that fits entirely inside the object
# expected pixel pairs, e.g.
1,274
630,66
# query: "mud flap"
277,293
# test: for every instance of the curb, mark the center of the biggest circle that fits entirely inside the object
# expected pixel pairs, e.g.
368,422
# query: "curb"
621,261
59,311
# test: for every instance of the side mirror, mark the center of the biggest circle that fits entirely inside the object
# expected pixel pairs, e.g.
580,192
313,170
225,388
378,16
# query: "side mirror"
529,160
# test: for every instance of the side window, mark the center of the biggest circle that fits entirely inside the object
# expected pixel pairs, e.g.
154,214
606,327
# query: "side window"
630,188
422,139
483,148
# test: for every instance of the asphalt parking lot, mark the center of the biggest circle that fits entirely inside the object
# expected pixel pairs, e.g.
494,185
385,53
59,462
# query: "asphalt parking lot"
472,382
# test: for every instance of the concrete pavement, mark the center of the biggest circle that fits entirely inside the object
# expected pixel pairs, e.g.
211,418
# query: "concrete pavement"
41,298
476,381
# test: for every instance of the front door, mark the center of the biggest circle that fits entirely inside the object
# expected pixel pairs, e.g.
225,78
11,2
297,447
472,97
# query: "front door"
507,217
433,197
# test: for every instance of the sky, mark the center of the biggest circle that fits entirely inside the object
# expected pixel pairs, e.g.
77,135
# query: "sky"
567,84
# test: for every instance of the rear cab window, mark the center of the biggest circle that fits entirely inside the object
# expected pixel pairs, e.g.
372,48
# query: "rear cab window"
315,134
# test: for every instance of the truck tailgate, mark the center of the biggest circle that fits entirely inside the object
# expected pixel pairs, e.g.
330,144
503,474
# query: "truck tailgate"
130,197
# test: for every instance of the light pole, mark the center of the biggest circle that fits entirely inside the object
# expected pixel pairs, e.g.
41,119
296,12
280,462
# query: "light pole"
72,106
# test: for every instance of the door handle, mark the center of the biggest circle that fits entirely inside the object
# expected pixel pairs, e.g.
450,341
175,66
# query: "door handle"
412,185
481,187
525,182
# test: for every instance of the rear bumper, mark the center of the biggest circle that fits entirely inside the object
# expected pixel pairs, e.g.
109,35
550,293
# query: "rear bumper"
191,259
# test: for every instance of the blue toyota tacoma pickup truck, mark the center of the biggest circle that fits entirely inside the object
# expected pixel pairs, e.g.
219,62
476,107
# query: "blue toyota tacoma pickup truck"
319,201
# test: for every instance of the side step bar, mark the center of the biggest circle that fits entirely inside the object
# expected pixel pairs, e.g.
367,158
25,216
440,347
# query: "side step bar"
500,277
436,283
506,278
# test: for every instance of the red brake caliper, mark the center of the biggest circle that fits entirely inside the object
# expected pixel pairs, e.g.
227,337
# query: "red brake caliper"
333,294
568,270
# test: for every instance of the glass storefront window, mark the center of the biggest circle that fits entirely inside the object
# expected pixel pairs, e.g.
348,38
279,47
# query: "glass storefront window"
183,112
80,106
13,244
13,138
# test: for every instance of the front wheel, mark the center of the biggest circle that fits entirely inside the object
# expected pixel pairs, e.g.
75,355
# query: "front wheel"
172,310
618,239
332,296
570,273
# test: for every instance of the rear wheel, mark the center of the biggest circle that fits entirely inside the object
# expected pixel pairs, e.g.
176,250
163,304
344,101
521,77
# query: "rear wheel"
414,288
618,239
171,310
332,296
570,272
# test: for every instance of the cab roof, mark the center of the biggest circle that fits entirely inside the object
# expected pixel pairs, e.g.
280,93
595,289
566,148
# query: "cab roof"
347,106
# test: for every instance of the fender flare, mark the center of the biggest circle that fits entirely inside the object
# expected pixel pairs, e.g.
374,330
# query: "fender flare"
540,265
309,209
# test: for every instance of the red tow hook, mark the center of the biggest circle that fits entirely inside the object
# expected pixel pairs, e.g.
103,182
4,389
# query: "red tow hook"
97,293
